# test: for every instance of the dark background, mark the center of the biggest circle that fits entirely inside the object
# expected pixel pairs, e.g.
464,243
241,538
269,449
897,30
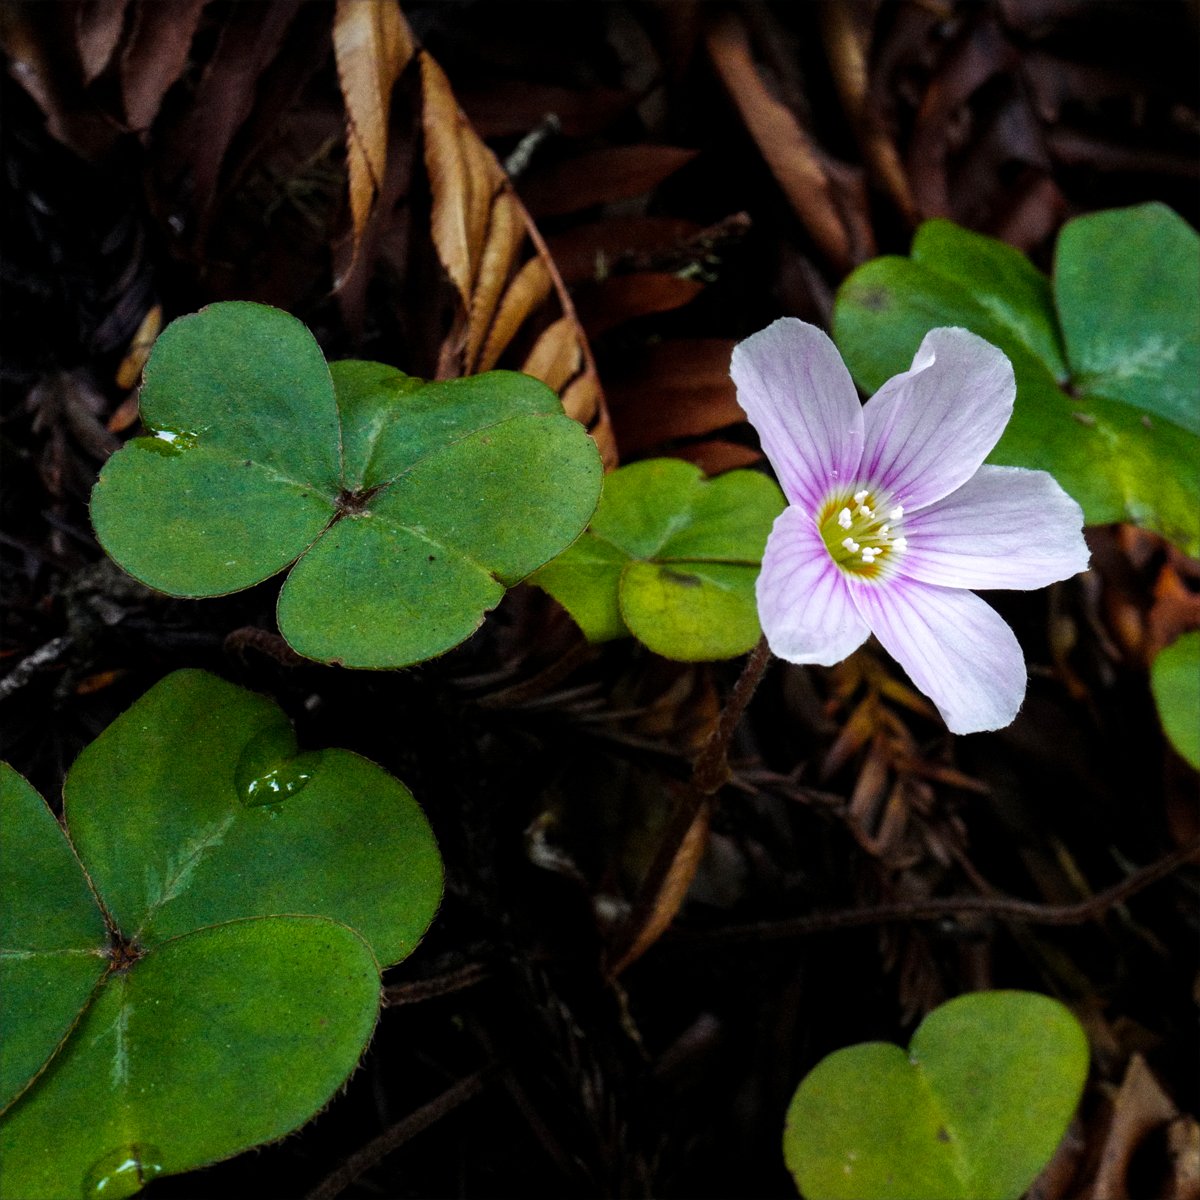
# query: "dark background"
547,786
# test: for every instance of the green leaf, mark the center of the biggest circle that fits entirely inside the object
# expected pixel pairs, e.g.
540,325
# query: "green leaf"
672,558
211,1044
1001,280
194,807
1175,681
1121,450
410,505
223,979
972,1112
1128,288
51,956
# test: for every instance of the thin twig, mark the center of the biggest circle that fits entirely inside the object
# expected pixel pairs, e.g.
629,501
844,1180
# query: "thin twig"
21,674
1009,908
440,985
536,687
391,1139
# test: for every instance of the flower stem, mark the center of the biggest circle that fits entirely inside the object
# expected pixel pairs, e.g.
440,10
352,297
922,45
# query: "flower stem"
711,769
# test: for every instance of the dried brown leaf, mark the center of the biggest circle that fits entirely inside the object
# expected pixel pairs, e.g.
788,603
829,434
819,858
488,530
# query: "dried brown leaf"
228,90
35,62
588,251
603,306
1176,607
505,236
124,415
479,230
600,177
372,44
464,177
846,30
98,25
794,159
716,456
130,370
680,388
670,897
855,733
530,288
556,355
1141,1105
582,399
155,55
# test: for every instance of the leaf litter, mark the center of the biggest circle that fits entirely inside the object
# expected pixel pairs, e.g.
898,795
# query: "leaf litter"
706,171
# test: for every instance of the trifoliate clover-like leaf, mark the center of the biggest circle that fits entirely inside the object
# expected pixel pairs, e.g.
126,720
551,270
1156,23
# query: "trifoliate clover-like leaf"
196,971
1106,356
410,506
670,557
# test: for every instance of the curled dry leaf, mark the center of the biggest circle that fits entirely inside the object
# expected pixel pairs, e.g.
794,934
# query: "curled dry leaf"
97,30
828,197
664,906
513,309
155,55
529,289
372,44
130,370
1140,1106
845,30
510,296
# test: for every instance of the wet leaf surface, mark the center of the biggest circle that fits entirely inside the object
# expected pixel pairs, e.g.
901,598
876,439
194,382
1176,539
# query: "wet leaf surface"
409,506
187,1009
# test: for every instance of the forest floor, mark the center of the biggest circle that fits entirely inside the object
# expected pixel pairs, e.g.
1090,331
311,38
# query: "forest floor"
693,170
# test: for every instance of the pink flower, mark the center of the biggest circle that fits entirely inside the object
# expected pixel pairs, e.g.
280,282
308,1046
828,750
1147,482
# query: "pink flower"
893,516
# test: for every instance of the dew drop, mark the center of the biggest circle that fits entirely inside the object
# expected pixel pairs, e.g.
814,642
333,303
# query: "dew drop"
170,441
122,1173
270,771
283,781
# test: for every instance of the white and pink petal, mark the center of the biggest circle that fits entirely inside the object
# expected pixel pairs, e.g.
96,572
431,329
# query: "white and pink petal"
796,392
929,429
956,649
1006,527
804,602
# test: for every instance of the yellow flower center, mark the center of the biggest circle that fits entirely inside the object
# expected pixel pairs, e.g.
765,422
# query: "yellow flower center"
860,534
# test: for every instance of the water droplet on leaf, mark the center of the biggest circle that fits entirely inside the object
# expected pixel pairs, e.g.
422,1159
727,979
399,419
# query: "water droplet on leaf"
122,1173
270,770
169,441
283,781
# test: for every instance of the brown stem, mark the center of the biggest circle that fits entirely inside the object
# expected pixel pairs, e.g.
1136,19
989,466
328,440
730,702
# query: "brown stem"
712,763
391,1139
1009,908
417,990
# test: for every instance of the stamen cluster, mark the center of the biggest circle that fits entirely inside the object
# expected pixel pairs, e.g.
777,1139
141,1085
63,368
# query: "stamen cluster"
858,538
